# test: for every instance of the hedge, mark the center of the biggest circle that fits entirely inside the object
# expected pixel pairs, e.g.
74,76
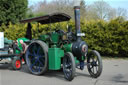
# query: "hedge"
110,38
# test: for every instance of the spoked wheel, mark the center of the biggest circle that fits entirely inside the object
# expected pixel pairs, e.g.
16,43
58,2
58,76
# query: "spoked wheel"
69,66
16,63
94,64
36,57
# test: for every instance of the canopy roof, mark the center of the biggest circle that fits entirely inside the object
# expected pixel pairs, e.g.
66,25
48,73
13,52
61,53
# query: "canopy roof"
51,18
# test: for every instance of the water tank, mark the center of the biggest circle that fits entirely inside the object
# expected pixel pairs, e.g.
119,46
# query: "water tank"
1,40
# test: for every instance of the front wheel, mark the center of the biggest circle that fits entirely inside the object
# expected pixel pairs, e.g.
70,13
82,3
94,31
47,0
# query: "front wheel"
69,66
94,64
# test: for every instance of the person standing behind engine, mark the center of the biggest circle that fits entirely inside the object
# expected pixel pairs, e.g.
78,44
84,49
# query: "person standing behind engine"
24,47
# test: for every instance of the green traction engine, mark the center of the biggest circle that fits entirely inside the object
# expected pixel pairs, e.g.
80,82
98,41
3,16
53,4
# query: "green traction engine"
61,50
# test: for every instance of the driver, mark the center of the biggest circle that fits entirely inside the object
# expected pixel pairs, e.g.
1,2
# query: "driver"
15,47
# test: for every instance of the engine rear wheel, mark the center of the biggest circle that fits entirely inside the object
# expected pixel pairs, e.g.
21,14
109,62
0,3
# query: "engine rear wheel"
94,64
16,63
69,66
37,57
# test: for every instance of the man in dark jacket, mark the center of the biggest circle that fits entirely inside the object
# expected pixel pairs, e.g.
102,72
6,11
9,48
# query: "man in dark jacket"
15,47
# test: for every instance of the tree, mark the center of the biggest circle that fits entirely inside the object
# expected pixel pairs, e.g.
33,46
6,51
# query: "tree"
100,10
30,13
54,6
121,12
12,10
83,9
64,6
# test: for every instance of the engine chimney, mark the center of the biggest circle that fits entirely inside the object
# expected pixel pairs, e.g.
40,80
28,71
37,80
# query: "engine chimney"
77,22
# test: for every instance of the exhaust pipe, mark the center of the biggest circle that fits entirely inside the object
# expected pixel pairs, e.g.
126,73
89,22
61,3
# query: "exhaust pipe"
77,22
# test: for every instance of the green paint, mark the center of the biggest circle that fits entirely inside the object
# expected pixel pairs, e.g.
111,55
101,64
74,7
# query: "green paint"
44,37
54,37
7,41
76,61
83,58
55,55
67,47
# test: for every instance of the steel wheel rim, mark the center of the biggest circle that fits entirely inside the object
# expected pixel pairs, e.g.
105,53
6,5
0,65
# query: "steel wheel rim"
35,58
67,65
94,64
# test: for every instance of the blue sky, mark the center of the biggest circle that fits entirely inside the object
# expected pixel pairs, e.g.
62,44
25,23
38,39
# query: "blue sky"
113,3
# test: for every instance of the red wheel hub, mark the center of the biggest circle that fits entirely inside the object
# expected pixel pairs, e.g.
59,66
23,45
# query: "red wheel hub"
18,64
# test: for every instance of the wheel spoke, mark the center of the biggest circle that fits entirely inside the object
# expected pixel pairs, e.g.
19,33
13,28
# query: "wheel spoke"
65,70
40,62
93,70
36,67
34,45
91,67
33,59
34,49
32,55
93,59
96,69
68,65
29,53
38,50
41,56
69,72
33,64
97,62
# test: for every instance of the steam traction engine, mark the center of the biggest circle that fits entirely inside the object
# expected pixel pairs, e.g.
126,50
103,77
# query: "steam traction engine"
61,49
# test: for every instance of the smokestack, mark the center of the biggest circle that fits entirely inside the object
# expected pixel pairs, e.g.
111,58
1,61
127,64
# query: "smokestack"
77,18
